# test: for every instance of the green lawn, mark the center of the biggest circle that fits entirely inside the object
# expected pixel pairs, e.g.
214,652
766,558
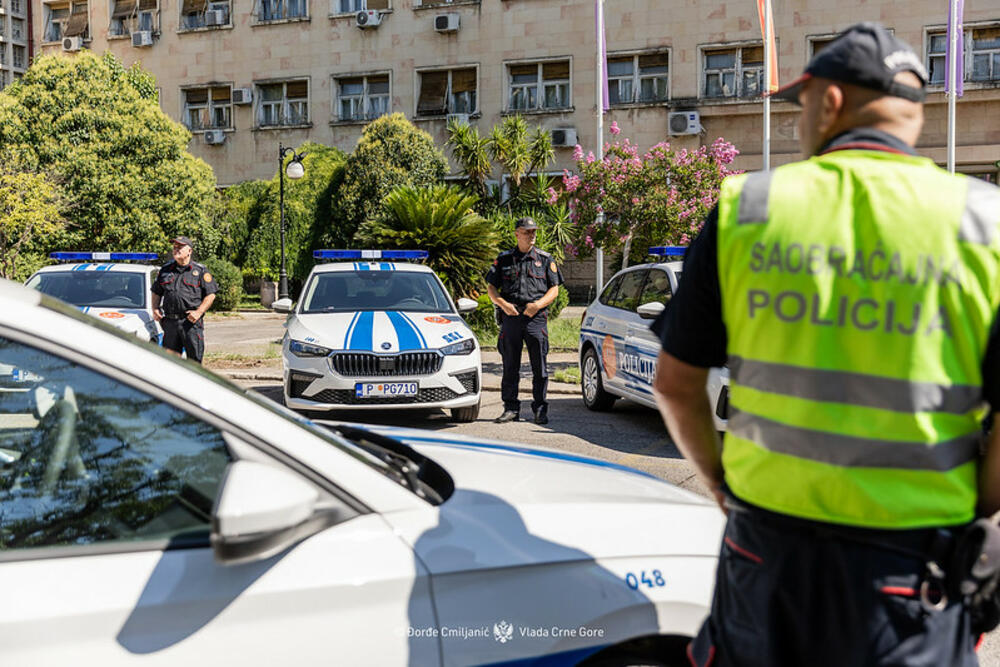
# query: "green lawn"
569,375
564,335
250,302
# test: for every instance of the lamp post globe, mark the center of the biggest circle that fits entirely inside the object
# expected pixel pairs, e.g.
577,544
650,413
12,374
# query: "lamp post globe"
295,170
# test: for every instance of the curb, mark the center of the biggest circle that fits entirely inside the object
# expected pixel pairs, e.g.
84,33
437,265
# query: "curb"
554,387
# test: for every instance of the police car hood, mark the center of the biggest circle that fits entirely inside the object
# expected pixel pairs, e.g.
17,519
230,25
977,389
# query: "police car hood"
518,505
132,320
381,331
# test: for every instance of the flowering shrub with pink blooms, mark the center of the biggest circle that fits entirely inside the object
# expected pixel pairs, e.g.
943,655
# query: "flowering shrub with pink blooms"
659,197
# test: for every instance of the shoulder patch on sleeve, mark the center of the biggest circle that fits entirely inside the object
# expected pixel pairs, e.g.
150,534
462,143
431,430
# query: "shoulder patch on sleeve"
208,276
554,268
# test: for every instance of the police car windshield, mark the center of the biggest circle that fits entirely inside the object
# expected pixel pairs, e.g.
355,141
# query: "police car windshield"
351,291
98,289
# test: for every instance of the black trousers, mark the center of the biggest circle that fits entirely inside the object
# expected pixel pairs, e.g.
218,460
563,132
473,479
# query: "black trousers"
791,597
515,332
184,336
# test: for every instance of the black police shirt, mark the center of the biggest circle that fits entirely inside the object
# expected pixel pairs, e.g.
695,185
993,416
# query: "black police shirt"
183,288
691,328
523,277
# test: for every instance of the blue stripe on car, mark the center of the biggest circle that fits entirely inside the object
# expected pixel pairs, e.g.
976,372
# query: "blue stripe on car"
602,334
408,335
81,267
361,337
423,341
558,456
350,327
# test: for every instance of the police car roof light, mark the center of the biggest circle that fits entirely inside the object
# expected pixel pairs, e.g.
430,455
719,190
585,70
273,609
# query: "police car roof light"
370,254
668,250
105,256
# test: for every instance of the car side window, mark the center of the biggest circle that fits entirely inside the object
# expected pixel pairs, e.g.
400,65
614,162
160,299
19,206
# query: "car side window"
608,295
627,297
657,288
85,459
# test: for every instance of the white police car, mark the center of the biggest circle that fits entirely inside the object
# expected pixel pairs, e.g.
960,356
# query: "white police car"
103,285
155,513
618,352
377,334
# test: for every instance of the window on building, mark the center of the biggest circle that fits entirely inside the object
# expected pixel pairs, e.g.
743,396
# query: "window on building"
56,17
817,44
734,72
544,85
352,6
17,29
279,10
3,55
985,54
16,6
204,14
447,91
20,58
283,103
361,97
638,78
207,108
3,78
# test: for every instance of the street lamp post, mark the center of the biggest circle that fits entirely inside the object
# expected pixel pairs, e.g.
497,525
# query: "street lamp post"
295,171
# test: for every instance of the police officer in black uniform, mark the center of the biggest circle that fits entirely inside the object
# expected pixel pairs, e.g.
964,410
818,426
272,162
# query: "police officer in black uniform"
186,290
522,283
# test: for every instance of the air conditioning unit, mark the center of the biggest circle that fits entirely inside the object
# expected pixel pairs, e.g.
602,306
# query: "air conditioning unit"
215,137
564,136
684,122
461,118
215,17
242,95
142,38
446,22
74,43
368,18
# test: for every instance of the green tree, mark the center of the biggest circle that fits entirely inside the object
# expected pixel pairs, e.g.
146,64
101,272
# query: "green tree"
234,212
29,216
120,163
442,220
391,152
518,151
307,208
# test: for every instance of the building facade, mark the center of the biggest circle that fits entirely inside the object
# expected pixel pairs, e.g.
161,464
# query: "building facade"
15,38
244,75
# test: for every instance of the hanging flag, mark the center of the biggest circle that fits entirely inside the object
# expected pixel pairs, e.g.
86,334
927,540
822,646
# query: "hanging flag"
959,54
602,52
771,53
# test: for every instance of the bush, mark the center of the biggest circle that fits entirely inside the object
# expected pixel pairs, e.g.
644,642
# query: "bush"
230,283
391,152
483,322
562,300
441,220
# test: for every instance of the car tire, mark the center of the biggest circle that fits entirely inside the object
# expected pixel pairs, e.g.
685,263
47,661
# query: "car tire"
465,415
591,384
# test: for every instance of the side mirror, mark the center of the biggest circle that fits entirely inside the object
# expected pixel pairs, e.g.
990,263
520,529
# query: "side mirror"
651,310
260,511
466,305
282,305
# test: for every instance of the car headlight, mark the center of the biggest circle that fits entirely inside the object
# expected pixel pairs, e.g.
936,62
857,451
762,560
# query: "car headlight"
464,347
300,349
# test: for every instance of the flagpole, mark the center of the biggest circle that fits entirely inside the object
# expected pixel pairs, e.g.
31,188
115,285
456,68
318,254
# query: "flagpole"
599,6
953,38
767,85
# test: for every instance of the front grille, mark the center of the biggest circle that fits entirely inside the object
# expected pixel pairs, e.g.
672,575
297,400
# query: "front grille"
348,397
362,364
470,381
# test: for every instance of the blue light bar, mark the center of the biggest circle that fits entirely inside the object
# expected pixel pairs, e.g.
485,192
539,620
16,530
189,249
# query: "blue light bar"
370,254
105,256
668,251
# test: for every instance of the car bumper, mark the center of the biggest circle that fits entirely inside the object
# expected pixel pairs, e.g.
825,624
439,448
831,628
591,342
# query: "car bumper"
312,384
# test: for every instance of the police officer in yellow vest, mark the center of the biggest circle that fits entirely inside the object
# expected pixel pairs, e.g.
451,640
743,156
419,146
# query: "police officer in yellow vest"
854,296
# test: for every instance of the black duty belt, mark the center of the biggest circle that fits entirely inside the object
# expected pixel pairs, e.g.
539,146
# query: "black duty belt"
175,317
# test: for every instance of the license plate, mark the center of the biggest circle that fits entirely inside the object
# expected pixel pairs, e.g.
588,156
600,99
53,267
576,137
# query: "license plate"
373,389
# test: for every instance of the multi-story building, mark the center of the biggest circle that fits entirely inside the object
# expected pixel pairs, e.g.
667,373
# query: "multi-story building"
15,26
244,76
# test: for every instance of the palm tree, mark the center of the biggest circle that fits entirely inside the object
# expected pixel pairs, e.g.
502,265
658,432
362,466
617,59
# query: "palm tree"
441,220
471,151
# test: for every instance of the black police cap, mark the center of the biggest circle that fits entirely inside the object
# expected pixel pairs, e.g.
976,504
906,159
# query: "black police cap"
526,223
866,55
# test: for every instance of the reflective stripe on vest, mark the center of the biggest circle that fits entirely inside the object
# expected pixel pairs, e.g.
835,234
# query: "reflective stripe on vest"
858,291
